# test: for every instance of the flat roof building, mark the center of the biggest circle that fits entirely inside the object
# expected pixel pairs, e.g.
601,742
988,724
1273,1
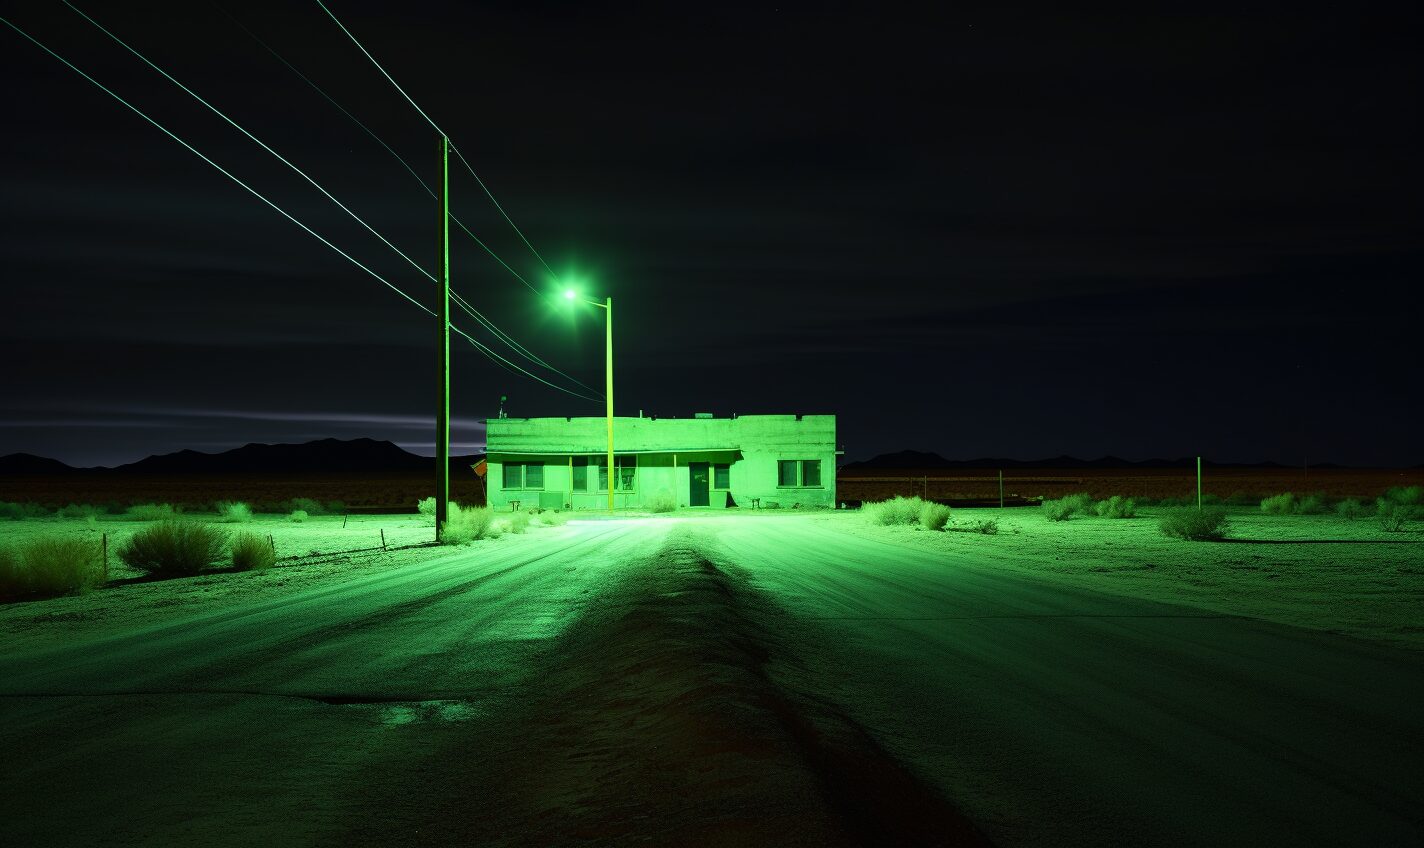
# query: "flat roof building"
744,461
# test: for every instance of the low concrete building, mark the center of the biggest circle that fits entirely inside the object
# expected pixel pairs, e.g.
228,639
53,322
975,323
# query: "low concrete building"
765,461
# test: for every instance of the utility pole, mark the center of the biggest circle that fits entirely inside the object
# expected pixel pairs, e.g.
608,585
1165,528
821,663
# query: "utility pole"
1198,484
608,390
442,383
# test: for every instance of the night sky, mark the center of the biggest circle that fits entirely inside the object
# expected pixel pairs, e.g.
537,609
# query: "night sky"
1161,236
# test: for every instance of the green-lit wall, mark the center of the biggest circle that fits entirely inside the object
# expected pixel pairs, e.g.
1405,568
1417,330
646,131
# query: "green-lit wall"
750,444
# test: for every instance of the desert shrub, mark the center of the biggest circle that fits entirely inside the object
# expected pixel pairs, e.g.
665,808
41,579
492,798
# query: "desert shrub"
252,552
426,508
85,511
19,511
933,516
661,501
1350,508
467,524
1393,516
1068,506
1116,507
1312,505
897,510
149,512
987,526
1282,504
551,518
517,522
335,507
298,516
1207,523
1407,495
233,512
1243,499
312,506
50,566
174,546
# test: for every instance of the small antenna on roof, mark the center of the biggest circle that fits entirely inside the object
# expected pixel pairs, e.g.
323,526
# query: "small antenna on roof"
502,399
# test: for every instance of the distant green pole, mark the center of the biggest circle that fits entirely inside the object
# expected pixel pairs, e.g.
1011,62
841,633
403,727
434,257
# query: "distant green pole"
608,354
442,387
1001,488
1198,484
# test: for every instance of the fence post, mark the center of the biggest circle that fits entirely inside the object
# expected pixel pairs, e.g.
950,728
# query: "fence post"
105,544
383,538
273,544
1001,488
343,520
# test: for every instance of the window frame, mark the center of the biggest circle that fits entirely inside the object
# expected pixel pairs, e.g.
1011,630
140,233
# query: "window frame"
620,461
724,468
523,477
799,466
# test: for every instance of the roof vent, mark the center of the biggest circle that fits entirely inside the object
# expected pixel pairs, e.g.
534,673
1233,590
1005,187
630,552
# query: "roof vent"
701,415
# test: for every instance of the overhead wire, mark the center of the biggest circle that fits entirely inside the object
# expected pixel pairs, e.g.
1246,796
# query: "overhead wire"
437,128
488,324
254,192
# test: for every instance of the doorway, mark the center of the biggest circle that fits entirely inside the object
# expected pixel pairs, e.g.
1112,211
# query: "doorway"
697,473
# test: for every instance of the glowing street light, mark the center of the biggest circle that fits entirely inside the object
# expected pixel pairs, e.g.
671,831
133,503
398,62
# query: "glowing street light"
607,306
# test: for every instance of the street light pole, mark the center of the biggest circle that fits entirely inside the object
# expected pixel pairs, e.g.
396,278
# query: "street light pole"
442,404
608,358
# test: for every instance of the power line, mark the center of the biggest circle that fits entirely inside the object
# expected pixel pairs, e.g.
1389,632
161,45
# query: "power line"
482,348
500,334
437,128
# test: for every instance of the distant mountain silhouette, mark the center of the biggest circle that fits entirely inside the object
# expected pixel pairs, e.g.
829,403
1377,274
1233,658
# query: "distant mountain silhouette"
321,456
21,464
911,459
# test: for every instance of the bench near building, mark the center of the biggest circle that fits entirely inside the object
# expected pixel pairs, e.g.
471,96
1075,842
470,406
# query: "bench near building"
562,463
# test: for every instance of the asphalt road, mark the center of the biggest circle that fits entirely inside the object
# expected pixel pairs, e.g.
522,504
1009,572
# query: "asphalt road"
1050,715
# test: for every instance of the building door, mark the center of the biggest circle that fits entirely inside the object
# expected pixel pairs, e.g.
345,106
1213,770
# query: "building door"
697,472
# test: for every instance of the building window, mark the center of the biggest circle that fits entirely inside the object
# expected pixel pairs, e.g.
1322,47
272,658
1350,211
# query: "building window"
798,473
523,475
625,471
580,474
722,476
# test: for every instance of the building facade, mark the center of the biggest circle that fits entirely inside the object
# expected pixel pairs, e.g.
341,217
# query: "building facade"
765,461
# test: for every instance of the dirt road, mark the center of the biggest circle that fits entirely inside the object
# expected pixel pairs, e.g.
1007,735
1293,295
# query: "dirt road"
700,681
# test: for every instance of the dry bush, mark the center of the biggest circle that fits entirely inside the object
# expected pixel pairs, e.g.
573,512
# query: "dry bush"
234,512
297,516
1394,516
50,566
1350,509
252,552
306,506
1282,504
18,511
1407,495
1116,507
1205,524
1064,508
1311,505
661,501
467,524
426,508
933,516
516,522
551,518
175,547
149,512
897,510
84,511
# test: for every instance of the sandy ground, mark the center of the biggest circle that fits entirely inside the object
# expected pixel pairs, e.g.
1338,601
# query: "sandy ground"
733,680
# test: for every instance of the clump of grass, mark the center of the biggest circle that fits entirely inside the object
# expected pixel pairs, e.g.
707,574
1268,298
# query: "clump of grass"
516,522
1068,506
85,511
234,512
20,511
1243,499
467,524
175,547
551,518
310,506
661,501
1205,524
50,566
1350,509
1407,495
1282,504
933,516
1311,505
426,508
1116,507
986,526
150,512
897,510
252,552
1394,516
298,516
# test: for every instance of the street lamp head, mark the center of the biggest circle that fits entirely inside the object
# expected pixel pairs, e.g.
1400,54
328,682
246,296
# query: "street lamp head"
569,294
